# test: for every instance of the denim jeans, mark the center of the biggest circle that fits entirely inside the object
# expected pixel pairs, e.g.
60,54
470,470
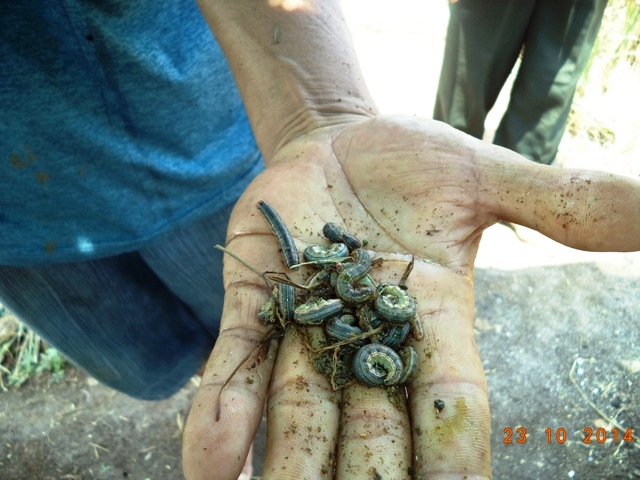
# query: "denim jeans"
140,322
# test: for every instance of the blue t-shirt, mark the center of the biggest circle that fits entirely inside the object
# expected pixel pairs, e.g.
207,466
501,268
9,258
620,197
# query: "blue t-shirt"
119,119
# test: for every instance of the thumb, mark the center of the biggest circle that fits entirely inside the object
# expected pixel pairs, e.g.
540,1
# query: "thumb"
583,209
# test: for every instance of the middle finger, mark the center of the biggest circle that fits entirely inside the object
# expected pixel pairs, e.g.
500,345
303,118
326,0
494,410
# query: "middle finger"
302,415
375,434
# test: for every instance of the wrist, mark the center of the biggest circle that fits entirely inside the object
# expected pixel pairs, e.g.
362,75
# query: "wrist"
295,67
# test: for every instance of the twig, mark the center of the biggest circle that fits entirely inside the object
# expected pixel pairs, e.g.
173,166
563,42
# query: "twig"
347,341
604,416
270,335
326,261
250,267
276,33
285,280
96,447
334,369
403,281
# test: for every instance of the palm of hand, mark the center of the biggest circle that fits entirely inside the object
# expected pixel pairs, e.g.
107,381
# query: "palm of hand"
408,187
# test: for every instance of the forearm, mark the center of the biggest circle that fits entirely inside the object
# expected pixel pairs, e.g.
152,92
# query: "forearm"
294,64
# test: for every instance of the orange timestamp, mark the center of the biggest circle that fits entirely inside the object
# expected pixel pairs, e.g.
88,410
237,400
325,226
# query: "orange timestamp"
559,435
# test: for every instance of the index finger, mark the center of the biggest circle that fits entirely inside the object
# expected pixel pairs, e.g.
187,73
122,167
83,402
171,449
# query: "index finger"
228,406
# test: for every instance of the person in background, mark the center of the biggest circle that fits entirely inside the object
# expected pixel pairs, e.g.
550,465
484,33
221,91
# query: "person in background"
484,40
129,152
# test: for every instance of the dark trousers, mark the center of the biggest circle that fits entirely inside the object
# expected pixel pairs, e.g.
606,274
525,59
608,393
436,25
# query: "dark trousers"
484,40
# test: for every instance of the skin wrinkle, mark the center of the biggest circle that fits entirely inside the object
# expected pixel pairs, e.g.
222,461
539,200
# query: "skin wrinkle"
246,285
454,198
353,193
461,474
242,299
472,244
433,332
474,449
308,404
300,403
424,389
228,408
386,231
456,453
372,428
476,174
475,195
444,379
297,121
326,188
579,203
375,429
228,439
240,386
232,332
317,430
412,283
597,212
295,383
232,401
354,198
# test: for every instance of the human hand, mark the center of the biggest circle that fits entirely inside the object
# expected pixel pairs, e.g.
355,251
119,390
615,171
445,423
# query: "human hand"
411,187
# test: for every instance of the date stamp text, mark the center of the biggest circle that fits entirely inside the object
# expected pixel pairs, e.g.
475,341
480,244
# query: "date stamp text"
520,435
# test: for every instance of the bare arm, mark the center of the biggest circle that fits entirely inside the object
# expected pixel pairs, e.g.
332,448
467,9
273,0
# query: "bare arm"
294,64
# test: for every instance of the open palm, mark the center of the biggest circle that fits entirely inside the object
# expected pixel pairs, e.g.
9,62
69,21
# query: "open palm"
408,186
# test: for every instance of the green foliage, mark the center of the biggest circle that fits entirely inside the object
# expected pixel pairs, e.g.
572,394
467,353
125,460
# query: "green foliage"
52,361
618,39
627,49
23,354
614,56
